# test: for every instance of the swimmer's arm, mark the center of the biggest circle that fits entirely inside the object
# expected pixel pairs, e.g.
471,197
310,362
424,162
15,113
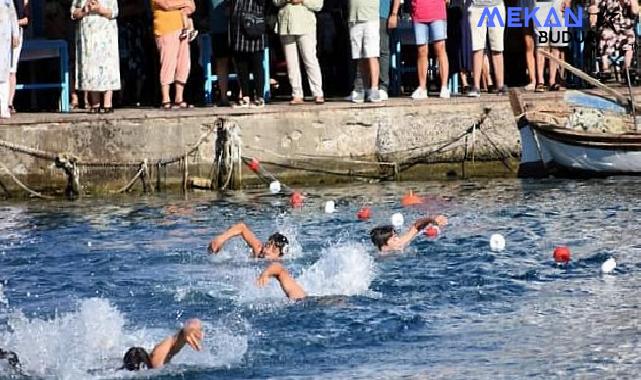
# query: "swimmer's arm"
164,351
291,288
239,229
418,226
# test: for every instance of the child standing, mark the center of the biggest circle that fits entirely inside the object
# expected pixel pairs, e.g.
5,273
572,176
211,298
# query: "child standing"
9,39
188,24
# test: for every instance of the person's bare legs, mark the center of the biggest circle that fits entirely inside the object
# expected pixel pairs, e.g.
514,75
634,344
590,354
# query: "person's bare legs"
12,88
553,66
367,77
478,68
540,67
529,58
107,101
374,71
421,66
222,71
291,288
443,62
180,89
463,76
497,59
164,91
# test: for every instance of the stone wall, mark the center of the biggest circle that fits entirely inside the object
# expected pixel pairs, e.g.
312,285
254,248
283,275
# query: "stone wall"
337,138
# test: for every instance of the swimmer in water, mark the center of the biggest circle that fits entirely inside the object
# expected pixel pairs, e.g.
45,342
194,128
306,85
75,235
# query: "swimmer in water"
292,289
137,358
11,358
274,249
386,239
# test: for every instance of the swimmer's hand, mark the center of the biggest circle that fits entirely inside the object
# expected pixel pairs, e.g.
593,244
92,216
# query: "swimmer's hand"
193,334
273,270
439,220
216,244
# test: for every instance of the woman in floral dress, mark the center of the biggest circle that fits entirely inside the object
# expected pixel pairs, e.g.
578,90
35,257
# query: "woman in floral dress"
97,59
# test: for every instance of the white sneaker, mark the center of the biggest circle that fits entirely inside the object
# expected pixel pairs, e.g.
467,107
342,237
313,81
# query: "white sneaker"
356,97
419,94
374,95
383,95
445,93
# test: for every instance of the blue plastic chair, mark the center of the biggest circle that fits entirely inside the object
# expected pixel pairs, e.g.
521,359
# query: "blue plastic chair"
207,56
33,50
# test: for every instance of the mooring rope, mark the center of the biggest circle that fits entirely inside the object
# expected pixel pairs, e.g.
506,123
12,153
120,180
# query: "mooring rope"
22,185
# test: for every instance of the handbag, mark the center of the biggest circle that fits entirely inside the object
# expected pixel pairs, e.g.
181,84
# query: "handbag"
253,24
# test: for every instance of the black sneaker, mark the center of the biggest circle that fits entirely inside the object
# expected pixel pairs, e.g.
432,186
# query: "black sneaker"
502,91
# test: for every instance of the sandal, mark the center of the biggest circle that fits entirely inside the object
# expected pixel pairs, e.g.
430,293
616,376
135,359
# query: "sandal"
166,106
539,88
319,100
555,87
242,103
296,102
530,87
182,105
94,109
12,110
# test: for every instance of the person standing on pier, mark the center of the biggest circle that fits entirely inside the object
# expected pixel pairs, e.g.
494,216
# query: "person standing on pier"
364,25
297,30
174,51
21,7
97,54
9,38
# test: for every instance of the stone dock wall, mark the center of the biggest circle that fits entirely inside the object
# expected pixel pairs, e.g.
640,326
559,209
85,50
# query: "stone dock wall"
310,145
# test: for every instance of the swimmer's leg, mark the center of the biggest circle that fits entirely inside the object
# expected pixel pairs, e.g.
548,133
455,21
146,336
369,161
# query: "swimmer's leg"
291,288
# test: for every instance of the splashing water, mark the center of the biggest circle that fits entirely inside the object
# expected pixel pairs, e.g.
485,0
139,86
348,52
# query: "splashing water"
92,340
344,269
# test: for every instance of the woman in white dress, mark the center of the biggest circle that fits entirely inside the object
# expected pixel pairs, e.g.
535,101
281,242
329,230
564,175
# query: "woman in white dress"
97,55
9,39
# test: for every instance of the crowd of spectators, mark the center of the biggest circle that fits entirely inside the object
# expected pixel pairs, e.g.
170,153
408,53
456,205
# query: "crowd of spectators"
141,48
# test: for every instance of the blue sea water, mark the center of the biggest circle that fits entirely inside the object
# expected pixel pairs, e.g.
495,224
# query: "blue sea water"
82,281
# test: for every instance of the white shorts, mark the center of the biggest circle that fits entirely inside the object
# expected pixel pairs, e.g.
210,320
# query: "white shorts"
15,55
480,34
554,35
365,39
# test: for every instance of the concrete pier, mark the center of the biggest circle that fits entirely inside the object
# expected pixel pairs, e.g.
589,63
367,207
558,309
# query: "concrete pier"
336,142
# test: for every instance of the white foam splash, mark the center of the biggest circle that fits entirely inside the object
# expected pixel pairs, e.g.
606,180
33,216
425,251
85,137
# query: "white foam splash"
344,269
91,341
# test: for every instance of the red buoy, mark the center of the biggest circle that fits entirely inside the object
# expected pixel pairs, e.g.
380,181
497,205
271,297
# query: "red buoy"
562,254
411,199
364,213
432,231
254,165
296,199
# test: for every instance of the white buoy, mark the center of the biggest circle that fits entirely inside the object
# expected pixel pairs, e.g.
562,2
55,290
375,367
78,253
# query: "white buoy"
88,244
609,265
274,187
398,220
330,207
497,242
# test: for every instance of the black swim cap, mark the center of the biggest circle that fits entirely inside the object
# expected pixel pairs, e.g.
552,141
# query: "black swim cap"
381,235
280,241
136,358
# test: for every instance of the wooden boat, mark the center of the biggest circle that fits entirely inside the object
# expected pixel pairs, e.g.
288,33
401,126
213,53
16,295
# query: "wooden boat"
578,141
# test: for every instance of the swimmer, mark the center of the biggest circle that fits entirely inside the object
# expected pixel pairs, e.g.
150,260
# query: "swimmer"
137,358
11,358
386,239
292,289
274,249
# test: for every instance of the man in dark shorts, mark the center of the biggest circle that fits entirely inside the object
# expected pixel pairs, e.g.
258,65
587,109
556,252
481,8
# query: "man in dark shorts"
219,11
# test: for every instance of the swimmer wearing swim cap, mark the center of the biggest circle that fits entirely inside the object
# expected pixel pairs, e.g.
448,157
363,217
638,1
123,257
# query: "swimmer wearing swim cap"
137,358
275,247
386,239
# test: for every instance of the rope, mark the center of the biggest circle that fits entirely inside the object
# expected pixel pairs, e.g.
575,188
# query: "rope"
130,184
22,185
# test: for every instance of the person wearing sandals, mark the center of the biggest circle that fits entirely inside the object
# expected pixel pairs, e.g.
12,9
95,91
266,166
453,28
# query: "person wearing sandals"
174,51
97,54
8,40
554,41
615,20
23,21
247,34
297,29
480,35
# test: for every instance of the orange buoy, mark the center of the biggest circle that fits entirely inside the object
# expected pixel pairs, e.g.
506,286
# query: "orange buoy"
411,199
296,199
562,254
364,213
254,165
